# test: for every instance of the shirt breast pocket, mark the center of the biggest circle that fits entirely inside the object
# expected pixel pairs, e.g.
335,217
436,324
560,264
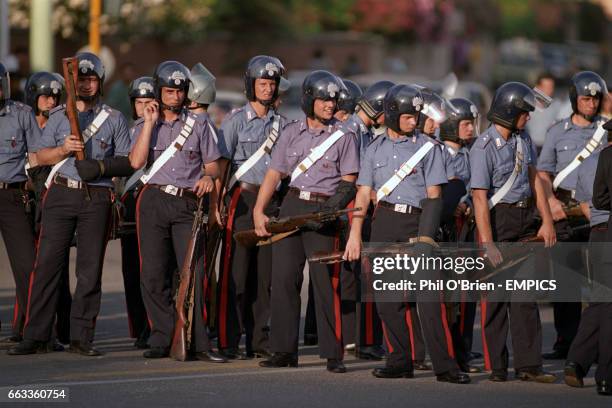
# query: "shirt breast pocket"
247,143
295,155
102,145
329,161
191,153
566,152
13,143
501,174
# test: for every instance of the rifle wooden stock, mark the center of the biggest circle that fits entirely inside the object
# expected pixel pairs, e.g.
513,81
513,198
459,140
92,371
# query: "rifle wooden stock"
181,338
70,67
249,238
326,257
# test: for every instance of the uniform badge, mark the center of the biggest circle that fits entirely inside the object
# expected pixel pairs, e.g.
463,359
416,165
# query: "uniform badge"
417,102
55,87
86,65
271,68
332,89
103,145
497,142
593,88
144,87
474,110
178,77
13,143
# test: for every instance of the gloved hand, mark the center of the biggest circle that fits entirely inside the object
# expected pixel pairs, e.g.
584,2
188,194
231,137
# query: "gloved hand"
89,169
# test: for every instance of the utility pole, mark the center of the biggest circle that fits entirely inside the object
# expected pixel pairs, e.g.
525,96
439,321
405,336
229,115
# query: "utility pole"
41,36
95,10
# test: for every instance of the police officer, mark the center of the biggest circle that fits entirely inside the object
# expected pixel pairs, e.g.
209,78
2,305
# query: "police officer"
203,89
43,92
594,336
504,185
78,200
18,145
248,137
368,114
565,140
405,209
347,102
141,93
322,177
166,204
456,132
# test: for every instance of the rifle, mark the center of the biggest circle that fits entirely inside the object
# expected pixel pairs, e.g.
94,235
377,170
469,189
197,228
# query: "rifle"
181,340
285,226
213,244
70,67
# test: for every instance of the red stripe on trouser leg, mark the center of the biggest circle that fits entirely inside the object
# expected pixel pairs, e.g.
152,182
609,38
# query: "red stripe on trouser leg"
389,346
205,293
226,270
15,312
32,274
336,294
485,346
461,317
447,333
138,239
408,317
369,323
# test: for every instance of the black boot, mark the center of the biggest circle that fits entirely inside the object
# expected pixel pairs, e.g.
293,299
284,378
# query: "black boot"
28,347
280,360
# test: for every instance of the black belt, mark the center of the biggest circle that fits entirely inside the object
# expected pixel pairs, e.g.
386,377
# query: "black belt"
72,183
400,208
12,186
308,196
602,226
526,203
176,191
251,188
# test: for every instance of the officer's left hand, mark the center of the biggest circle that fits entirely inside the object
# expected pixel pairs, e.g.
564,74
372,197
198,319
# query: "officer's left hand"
461,210
203,186
548,233
88,169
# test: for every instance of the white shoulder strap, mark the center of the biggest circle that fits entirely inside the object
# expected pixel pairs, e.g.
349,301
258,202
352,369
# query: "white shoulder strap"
403,171
266,147
87,134
145,175
590,147
518,167
316,154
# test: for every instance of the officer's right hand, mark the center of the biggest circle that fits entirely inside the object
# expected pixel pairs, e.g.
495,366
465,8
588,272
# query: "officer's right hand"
556,208
72,144
352,252
260,220
151,112
493,254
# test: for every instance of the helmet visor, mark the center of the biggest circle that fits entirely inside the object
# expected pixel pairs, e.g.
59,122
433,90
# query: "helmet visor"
435,109
538,100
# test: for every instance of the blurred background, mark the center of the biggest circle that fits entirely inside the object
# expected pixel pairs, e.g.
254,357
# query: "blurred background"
481,42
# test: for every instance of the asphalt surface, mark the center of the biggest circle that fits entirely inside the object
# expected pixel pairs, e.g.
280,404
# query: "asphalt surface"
121,377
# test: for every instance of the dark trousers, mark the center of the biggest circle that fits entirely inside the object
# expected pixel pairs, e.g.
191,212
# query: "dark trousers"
310,320
244,287
164,223
130,268
462,330
398,318
567,314
522,319
593,341
18,235
360,322
66,211
289,256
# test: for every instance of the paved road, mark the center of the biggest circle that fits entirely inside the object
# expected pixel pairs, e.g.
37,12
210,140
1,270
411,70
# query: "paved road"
123,378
